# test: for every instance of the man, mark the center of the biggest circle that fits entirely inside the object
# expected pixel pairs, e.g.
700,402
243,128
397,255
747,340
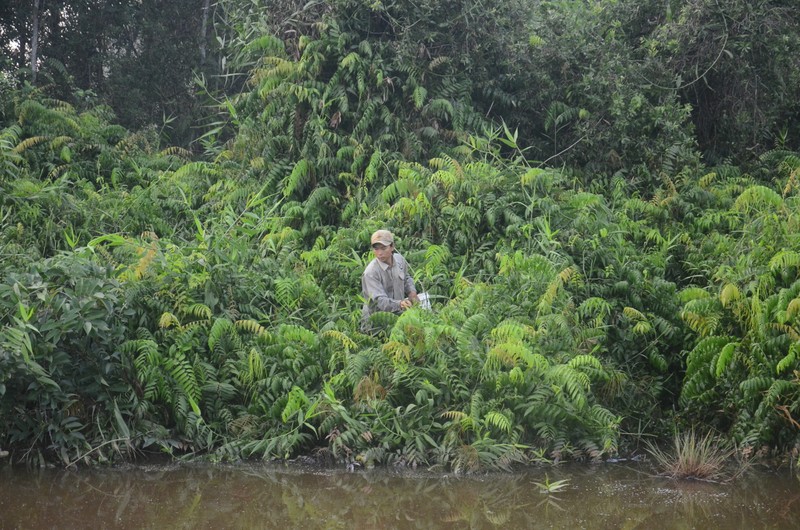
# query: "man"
386,283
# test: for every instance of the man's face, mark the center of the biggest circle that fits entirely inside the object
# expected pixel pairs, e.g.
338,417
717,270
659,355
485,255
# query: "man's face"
383,253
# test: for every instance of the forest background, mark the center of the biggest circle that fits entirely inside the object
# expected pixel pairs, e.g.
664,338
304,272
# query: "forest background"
600,196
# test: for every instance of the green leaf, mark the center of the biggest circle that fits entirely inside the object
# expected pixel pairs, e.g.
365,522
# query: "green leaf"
122,427
725,356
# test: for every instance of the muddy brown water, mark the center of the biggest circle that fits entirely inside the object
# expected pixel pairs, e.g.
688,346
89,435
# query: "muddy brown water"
269,496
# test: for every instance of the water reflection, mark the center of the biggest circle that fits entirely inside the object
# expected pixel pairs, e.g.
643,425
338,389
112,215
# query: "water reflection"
285,497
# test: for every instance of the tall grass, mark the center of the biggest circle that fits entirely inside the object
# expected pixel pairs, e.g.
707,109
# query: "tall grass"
695,457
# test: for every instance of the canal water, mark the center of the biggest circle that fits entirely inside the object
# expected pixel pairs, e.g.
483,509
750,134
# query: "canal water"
270,496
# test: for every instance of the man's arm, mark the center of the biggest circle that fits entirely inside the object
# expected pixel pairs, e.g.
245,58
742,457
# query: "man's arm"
408,284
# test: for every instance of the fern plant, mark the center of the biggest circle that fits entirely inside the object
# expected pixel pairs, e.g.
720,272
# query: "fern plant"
745,356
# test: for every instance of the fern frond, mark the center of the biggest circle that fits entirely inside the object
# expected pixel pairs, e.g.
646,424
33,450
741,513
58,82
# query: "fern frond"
788,361
168,320
756,197
702,315
633,314
28,143
692,293
724,358
200,311
784,259
730,293
176,151
298,334
251,326
183,374
585,360
298,178
755,385
498,420
346,342
219,328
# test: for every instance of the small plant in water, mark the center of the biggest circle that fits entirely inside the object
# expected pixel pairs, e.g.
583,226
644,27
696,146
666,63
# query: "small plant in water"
552,487
694,456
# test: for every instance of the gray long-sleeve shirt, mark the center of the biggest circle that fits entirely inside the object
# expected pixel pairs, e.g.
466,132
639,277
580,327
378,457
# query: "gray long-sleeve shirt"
384,287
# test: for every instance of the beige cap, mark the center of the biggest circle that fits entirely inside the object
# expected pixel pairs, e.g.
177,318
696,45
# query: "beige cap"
384,237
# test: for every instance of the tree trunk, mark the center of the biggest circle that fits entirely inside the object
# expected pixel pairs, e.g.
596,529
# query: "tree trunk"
35,41
203,31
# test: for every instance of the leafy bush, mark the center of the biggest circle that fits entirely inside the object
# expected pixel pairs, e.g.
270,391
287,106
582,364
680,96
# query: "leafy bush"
154,301
62,373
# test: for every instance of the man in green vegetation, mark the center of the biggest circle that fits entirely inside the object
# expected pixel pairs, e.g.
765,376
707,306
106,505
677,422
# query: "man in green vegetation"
386,283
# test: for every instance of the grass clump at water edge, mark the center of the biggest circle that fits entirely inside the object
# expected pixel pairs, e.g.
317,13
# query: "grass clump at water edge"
695,456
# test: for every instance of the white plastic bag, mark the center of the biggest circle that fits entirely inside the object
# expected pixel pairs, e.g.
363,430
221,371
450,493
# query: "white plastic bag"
424,301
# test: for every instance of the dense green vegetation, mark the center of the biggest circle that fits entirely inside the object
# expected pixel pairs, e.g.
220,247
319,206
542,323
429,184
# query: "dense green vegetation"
603,207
